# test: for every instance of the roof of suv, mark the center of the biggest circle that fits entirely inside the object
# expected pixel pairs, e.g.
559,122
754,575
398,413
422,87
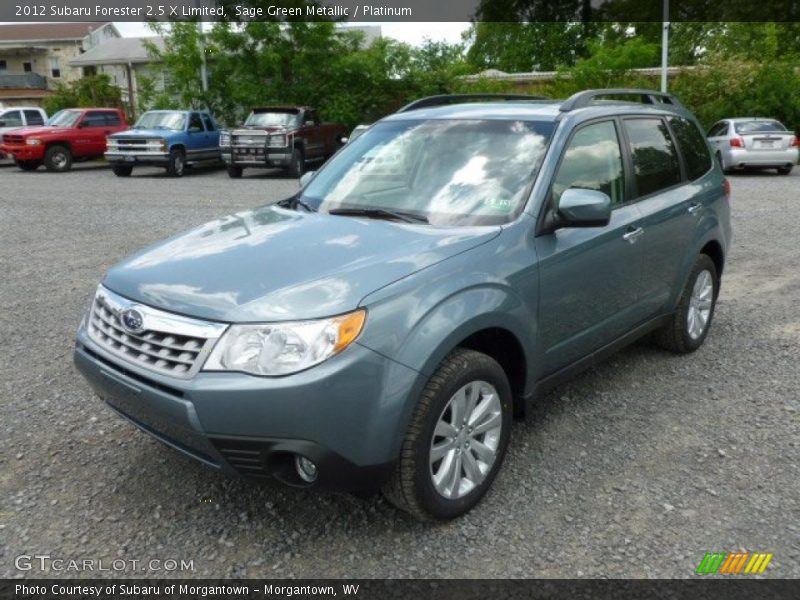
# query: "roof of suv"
588,103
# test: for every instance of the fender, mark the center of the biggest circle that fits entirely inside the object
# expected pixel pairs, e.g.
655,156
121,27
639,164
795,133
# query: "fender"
438,331
709,229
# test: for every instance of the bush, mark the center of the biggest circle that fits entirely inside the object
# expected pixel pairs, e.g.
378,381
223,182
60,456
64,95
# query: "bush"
94,90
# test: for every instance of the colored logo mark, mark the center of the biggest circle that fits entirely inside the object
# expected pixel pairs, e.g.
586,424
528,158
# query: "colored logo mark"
734,563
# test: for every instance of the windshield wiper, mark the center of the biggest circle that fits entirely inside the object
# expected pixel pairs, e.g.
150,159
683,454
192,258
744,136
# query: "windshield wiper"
294,202
379,212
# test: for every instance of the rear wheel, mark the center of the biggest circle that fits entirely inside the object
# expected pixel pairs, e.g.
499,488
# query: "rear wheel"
235,171
456,440
784,170
29,165
297,166
122,170
688,326
177,163
58,159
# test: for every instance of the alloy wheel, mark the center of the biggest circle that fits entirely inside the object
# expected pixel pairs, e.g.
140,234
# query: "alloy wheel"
700,303
466,440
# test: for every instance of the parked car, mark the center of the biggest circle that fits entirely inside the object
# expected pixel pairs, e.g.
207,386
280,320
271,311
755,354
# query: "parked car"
379,329
173,139
74,134
280,136
20,116
754,143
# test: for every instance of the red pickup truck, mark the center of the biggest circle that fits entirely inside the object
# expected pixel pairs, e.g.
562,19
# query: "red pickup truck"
287,137
69,135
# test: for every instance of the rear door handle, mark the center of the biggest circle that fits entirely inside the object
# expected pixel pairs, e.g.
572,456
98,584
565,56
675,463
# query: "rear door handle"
694,207
633,235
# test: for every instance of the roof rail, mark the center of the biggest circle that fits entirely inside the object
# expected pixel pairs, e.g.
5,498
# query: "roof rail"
444,99
582,99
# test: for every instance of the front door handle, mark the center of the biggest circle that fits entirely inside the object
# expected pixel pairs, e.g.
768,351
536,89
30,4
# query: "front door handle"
694,207
633,235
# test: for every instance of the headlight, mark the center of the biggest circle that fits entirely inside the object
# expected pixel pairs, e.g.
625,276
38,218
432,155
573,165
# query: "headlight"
224,138
33,142
277,141
284,348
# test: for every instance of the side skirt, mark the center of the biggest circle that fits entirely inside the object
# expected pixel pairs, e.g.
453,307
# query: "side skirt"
564,374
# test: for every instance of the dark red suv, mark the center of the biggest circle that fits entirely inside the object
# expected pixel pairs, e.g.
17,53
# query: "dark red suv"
69,135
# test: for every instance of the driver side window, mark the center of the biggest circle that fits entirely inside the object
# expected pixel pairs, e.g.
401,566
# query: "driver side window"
592,161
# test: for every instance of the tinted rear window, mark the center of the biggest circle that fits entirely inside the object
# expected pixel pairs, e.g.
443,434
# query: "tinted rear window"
655,159
693,147
33,117
758,127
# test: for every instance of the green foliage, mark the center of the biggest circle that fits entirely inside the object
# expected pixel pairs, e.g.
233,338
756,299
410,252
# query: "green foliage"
91,91
725,87
608,64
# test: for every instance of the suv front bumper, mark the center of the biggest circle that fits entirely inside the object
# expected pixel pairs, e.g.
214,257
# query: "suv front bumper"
257,157
346,415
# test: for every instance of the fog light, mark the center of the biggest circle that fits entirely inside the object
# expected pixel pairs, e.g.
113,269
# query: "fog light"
306,469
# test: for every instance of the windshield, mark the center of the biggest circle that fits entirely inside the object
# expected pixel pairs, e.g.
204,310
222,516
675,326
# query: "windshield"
273,119
450,172
64,118
162,120
758,127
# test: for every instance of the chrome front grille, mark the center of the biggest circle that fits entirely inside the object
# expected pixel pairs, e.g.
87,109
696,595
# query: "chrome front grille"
165,343
249,139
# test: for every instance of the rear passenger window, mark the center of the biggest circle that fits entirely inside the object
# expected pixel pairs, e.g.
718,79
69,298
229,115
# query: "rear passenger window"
94,119
693,147
112,119
34,117
655,160
592,161
718,130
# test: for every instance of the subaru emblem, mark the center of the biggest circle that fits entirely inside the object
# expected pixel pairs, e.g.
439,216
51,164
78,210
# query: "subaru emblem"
132,320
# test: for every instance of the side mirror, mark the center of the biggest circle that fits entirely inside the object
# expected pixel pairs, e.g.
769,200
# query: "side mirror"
344,139
305,178
584,208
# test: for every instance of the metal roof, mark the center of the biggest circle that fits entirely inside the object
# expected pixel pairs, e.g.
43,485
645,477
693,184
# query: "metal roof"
41,32
118,51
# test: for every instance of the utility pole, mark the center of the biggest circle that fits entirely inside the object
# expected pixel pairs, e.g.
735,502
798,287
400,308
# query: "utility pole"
665,47
201,44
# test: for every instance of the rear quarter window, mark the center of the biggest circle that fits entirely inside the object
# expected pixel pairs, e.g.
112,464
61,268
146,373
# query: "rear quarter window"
693,147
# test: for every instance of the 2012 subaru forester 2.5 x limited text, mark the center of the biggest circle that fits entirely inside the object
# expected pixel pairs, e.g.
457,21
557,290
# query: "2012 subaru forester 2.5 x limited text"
380,329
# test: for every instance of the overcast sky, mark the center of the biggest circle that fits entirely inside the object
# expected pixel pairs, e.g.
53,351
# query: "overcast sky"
411,33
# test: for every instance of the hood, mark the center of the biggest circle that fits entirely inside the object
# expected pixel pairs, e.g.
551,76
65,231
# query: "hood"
144,133
36,130
275,264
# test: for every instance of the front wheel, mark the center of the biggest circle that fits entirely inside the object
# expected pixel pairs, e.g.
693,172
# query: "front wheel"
298,164
177,163
688,326
58,159
122,170
234,171
456,440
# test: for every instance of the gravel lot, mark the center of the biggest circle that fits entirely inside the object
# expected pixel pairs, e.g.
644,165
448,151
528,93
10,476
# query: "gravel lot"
635,469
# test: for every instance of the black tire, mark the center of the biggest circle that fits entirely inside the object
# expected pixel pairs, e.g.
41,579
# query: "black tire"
28,165
675,335
298,165
176,166
235,171
411,487
122,170
58,159
784,170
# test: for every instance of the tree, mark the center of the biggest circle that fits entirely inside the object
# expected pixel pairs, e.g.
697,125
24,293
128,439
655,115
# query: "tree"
93,90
